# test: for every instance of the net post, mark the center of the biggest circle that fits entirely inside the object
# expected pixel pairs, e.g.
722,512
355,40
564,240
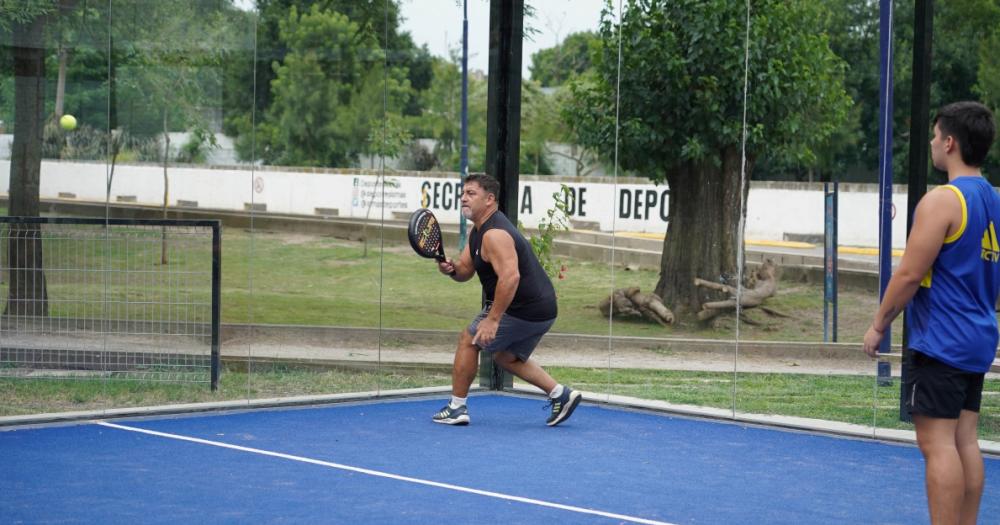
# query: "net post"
216,301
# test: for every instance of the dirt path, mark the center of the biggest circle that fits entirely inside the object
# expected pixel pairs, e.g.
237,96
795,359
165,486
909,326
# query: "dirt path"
581,356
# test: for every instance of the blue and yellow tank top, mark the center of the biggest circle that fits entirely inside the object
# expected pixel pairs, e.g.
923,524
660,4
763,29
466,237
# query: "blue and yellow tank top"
952,316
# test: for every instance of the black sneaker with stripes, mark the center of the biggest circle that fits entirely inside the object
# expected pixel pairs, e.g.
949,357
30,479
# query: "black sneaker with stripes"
452,416
563,406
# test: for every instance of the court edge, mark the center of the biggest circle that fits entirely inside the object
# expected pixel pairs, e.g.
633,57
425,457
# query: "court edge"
785,423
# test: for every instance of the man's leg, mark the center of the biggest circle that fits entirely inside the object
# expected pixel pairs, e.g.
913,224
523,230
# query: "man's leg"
967,440
526,370
463,372
563,400
944,477
465,365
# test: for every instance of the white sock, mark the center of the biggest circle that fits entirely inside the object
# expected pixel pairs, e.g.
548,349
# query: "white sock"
457,401
556,392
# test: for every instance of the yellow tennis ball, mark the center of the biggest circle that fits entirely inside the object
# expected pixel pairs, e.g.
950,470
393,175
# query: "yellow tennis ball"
68,122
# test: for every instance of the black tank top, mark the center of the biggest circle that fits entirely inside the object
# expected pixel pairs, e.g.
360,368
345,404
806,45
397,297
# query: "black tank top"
535,299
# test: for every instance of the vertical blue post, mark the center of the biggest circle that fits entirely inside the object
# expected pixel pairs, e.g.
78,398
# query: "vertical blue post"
830,244
885,167
464,167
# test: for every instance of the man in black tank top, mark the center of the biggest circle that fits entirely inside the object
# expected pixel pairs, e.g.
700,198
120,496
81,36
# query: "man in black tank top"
520,305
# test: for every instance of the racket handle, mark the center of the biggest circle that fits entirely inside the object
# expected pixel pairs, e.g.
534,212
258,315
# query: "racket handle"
440,258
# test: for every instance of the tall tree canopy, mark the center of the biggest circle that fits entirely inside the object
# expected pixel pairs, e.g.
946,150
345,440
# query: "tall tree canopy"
555,65
328,91
377,19
681,106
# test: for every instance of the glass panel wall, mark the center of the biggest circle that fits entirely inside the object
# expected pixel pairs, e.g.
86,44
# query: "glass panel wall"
316,229
53,143
231,181
803,317
656,176
416,161
673,111
170,77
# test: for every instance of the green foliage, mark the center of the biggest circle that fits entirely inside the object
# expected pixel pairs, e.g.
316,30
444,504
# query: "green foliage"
556,221
328,91
964,45
196,149
682,83
540,125
169,60
441,116
14,12
555,65
379,20
388,140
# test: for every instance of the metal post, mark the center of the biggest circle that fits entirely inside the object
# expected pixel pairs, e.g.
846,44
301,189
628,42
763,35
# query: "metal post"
216,301
920,89
503,130
464,168
885,170
830,244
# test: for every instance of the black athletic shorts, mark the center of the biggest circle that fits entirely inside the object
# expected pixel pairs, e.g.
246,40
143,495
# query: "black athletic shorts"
935,389
514,335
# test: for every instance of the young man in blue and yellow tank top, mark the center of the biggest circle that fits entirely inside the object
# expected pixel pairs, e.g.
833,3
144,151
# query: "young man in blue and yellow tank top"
519,306
949,279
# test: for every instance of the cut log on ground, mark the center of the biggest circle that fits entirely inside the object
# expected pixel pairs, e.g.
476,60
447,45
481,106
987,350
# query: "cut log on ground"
765,286
633,303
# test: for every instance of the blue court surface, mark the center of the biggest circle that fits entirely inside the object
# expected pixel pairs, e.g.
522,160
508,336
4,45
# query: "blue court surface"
386,462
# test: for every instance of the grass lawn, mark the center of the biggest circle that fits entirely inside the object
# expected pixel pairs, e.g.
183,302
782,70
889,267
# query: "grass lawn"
277,278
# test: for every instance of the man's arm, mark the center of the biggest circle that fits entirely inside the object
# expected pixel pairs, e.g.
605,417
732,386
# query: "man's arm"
937,215
463,268
498,249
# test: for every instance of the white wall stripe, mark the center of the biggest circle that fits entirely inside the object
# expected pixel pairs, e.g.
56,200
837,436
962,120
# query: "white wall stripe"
623,204
380,474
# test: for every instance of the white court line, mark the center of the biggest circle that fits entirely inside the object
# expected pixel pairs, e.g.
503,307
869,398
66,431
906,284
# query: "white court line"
380,474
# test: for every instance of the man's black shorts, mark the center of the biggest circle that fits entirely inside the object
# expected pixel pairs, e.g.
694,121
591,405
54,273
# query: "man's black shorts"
938,390
514,335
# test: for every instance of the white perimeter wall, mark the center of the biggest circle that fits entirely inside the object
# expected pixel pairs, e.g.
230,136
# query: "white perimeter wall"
634,205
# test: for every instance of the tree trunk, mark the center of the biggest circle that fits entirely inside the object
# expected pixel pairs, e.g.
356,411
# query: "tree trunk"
166,186
701,241
27,294
61,80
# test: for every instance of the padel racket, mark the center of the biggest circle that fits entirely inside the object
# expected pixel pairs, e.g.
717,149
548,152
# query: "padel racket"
425,235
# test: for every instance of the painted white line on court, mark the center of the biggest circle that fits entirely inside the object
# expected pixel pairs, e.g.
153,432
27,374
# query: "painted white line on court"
377,473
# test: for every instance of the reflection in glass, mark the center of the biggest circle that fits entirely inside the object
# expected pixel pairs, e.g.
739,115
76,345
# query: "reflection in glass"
786,368
52,137
674,206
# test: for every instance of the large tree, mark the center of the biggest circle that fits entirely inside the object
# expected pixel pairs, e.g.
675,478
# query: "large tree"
553,66
328,92
23,26
377,18
964,43
681,113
